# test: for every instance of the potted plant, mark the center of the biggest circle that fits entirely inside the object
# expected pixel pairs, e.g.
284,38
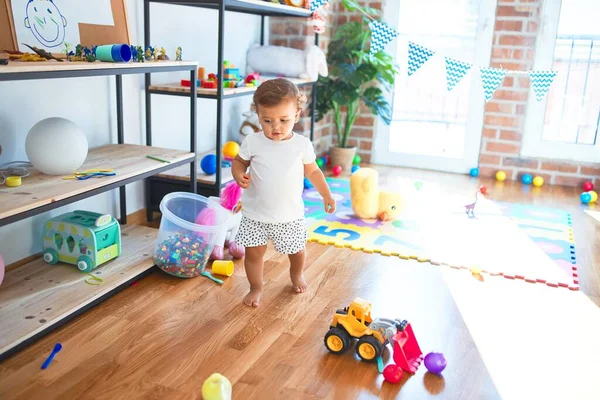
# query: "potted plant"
355,78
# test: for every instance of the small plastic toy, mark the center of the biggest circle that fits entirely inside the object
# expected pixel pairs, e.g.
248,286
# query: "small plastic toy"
357,160
435,362
392,373
81,238
56,349
216,387
470,208
336,170
527,179
209,164
230,150
594,196
587,186
355,322
355,168
320,163
307,184
538,181
500,176
474,172
178,54
585,197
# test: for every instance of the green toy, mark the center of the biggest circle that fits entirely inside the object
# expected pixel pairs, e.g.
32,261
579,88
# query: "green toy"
81,238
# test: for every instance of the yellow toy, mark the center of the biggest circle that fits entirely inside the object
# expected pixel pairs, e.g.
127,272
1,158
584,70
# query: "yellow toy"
355,322
368,201
216,387
500,176
230,150
538,181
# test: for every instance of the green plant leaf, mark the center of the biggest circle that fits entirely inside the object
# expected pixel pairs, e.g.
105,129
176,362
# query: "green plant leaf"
374,99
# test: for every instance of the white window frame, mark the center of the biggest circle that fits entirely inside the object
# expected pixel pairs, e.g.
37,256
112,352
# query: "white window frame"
533,145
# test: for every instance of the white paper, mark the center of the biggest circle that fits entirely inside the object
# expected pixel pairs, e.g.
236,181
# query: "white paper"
50,24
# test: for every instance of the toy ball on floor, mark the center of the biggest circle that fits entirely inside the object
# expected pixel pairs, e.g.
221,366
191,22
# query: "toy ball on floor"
474,172
356,160
230,150
587,186
209,164
216,387
585,197
594,196
355,168
500,176
336,170
527,179
392,373
320,163
435,362
538,181
307,184
482,189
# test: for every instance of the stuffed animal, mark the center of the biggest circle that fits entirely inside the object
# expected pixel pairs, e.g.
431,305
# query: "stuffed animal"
368,201
250,125
286,61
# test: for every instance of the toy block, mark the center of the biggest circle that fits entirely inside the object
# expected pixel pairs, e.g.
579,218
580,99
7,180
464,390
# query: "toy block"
201,73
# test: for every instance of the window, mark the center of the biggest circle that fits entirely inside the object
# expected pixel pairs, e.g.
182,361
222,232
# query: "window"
565,124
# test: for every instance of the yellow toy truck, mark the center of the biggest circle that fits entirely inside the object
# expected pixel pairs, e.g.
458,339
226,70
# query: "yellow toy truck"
355,322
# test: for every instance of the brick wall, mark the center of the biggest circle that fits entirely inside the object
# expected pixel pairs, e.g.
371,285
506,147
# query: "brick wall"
516,29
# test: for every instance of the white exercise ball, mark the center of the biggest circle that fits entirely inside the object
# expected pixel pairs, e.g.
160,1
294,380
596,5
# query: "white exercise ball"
56,146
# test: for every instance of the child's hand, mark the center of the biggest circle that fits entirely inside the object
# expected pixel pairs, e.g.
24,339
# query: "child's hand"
243,180
329,204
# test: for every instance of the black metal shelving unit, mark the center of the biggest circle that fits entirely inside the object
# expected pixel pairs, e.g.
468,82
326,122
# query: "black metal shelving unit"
158,186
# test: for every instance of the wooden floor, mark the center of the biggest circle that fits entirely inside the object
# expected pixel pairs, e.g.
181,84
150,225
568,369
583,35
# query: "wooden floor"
162,337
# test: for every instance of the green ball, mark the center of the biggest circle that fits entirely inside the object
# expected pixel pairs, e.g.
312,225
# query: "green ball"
357,159
320,162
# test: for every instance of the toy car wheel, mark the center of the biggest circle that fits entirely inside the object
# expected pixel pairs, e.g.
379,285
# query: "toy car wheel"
84,264
368,348
50,256
337,340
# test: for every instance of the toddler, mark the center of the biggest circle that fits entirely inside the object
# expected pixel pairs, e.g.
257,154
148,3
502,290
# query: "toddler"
271,166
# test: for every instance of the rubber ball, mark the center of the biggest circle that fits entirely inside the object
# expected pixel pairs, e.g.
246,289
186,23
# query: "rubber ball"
538,181
355,168
585,197
527,179
356,160
230,150
474,172
392,373
336,170
500,176
320,163
435,362
307,184
209,164
587,186
594,196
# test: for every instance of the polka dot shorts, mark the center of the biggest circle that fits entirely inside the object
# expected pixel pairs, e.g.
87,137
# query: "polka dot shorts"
287,237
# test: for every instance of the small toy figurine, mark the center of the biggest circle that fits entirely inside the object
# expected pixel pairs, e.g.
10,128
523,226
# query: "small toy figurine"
178,54
470,208
43,53
140,54
162,54
78,50
68,51
149,52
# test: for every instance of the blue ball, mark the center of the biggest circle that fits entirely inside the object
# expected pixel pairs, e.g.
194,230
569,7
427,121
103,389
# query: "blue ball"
307,184
209,164
474,172
585,197
355,168
527,179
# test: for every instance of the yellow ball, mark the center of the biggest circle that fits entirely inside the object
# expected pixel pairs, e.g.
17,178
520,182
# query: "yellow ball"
594,196
500,175
538,181
231,149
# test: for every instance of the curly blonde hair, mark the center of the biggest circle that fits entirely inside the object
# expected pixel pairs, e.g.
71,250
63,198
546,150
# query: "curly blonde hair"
275,91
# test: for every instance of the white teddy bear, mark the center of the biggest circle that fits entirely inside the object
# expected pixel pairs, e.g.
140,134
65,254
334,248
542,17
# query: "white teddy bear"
293,63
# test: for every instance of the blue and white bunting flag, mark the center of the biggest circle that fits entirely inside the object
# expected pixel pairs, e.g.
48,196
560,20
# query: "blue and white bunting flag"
315,4
541,81
455,71
417,56
491,79
381,34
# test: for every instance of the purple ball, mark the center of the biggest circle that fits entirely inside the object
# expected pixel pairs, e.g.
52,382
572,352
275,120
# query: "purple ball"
435,362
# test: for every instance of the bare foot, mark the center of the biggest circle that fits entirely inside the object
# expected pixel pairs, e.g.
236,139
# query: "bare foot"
253,298
299,283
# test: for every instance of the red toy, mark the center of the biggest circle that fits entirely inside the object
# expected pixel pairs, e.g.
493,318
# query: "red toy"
336,170
587,186
392,373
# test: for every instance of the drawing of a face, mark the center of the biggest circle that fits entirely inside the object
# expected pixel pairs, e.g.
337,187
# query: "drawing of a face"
46,22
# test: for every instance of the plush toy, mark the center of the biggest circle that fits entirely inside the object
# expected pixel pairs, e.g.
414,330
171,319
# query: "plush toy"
286,61
230,200
250,125
368,201
319,18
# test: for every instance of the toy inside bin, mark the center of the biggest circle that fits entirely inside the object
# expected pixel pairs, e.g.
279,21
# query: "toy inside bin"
183,246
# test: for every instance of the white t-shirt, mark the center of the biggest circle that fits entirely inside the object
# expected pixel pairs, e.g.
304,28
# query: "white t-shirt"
276,177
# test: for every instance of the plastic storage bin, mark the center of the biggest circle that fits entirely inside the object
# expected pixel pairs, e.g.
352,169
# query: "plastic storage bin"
183,246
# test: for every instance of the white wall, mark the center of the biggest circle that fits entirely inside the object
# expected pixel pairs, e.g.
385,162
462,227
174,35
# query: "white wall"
90,103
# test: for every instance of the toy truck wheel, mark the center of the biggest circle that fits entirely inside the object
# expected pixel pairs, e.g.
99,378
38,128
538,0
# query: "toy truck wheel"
84,264
50,256
368,348
337,340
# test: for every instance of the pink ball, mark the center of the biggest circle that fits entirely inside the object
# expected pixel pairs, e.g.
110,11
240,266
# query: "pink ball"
236,250
217,253
587,186
392,373
336,170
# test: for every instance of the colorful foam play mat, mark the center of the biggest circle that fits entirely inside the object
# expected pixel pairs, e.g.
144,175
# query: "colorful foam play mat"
516,241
